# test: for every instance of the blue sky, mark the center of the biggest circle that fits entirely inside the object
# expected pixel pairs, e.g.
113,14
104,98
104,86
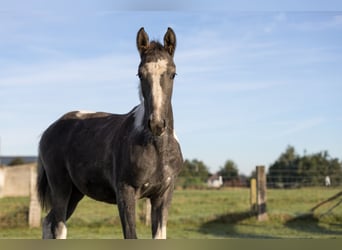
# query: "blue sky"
249,82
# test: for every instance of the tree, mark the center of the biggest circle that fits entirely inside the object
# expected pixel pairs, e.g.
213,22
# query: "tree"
229,171
291,170
334,170
284,170
313,169
16,161
194,174
195,168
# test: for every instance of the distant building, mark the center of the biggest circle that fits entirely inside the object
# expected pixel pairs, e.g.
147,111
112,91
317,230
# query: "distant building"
327,181
215,181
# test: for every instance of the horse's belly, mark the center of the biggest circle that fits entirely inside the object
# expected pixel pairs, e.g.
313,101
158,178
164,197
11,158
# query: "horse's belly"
95,186
102,197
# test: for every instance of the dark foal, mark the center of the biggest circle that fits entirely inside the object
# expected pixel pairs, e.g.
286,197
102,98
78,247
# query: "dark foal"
116,158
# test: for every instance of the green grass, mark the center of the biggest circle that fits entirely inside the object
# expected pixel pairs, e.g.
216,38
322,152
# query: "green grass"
197,214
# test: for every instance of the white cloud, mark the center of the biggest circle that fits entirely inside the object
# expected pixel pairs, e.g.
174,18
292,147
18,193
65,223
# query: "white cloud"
295,127
334,22
220,87
281,17
277,20
108,68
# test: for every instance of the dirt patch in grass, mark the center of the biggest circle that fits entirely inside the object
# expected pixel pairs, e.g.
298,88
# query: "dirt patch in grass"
17,217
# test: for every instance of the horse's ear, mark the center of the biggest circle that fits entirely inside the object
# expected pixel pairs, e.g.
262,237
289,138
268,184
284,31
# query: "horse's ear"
170,41
142,41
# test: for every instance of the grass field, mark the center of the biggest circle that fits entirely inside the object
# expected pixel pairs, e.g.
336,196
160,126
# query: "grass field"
198,214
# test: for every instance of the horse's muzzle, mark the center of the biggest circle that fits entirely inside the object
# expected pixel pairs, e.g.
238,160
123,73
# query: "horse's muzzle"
157,127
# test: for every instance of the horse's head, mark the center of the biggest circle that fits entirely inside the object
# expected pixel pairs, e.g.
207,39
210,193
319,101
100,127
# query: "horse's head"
156,72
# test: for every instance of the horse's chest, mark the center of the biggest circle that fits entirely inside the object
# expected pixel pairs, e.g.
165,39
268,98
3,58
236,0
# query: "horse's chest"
152,167
152,170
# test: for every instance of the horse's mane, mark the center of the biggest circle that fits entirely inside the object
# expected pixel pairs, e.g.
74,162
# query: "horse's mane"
155,46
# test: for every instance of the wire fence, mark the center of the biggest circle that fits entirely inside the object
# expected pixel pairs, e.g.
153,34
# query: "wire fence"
292,178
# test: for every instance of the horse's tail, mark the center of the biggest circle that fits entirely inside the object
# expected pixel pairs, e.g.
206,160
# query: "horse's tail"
43,188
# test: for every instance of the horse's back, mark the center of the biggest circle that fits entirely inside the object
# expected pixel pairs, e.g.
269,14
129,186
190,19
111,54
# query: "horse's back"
73,124
82,115
72,148
57,137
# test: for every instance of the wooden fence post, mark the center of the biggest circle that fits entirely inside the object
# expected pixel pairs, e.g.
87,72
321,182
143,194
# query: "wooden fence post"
2,180
35,209
253,196
261,193
148,212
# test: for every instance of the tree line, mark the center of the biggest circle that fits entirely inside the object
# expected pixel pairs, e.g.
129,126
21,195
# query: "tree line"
289,170
195,174
294,170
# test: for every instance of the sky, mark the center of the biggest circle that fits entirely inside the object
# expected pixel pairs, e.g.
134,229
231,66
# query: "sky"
250,81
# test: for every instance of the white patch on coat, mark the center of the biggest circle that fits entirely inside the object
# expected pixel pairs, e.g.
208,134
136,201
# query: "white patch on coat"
175,136
61,231
156,69
82,113
141,97
161,233
139,113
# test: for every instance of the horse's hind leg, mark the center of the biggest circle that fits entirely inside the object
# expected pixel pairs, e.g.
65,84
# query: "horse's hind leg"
75,197
54,228
54,223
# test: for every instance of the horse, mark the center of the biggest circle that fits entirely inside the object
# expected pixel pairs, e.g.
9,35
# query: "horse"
116,158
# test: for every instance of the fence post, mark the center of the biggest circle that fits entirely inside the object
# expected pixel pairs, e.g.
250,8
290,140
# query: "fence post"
2,180
261,193
35,209
253,196
148,212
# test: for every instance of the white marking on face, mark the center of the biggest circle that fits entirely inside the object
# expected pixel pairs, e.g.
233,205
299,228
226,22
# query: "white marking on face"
156,69
139,116
61,231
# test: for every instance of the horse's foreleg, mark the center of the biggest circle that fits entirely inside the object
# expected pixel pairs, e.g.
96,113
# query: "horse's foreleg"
160,208
126,205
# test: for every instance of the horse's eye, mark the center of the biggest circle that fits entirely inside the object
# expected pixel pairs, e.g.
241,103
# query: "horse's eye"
172,76
139,75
